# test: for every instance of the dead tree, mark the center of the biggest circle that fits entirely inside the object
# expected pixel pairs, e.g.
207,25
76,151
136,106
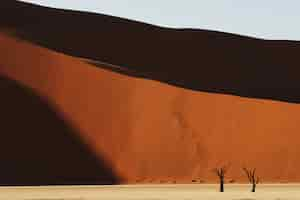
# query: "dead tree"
253,179
220,172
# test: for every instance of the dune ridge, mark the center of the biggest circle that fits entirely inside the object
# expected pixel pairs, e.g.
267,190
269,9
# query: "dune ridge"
200,60
150,132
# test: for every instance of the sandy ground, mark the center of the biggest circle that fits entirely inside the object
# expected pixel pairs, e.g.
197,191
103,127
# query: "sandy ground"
152,192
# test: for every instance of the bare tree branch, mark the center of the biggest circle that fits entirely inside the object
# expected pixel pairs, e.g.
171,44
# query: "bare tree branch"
253,179
220,172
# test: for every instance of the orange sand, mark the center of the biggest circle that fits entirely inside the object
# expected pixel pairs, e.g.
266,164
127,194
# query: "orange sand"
153,132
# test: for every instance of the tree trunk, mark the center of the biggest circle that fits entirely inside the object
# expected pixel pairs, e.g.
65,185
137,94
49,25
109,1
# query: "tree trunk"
253,187
221,185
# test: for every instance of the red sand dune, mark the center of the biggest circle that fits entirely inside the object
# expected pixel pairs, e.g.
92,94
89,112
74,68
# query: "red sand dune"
196,59
151,132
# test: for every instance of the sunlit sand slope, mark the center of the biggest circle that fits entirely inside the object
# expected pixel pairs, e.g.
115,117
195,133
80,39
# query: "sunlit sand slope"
152,132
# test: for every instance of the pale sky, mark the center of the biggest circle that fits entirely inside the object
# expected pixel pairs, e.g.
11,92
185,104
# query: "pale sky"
268,19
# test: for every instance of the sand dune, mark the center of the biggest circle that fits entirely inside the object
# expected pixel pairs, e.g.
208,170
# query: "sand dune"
39,147
152,132
195,59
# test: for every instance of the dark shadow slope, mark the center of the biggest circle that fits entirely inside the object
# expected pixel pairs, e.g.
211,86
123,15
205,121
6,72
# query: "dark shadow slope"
195,59
37,147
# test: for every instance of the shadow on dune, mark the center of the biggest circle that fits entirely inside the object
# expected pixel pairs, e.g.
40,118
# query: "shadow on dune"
194,59
37,147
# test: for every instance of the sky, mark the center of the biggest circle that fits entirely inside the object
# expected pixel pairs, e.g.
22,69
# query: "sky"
268,19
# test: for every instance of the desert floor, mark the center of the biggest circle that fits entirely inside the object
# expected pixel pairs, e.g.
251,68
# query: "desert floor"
153,192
